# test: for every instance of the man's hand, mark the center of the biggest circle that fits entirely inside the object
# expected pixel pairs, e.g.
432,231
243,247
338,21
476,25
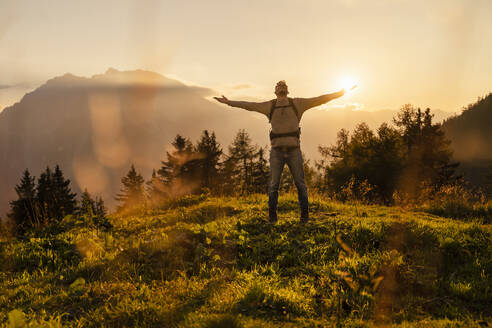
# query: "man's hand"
223,100
343,91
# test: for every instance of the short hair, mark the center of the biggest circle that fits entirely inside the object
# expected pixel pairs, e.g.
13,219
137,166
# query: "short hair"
281,82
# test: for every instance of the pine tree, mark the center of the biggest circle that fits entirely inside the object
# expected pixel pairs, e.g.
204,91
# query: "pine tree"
180,172
44,194
156,189
54,195
428,155
208,162
23,211
64,201
87,204
100,208
132,194
239,163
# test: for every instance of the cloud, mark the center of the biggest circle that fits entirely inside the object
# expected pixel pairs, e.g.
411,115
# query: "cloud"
21,85
241,86
346,107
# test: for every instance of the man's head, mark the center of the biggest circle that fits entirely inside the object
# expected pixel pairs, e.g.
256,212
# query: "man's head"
281,89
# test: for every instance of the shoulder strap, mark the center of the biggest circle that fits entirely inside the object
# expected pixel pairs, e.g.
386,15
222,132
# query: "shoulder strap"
291,103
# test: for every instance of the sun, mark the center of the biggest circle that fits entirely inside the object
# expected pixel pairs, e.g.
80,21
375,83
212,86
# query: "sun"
348,83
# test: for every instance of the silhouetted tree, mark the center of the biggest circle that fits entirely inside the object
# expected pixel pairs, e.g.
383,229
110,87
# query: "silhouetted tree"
100,208
44,193
209,160
156,189
406,158
180,172
239,163
87,204
54,195
428,153
132,194
64,200
23,210
364,158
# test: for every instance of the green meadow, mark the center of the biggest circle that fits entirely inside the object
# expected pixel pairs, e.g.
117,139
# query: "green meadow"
203,261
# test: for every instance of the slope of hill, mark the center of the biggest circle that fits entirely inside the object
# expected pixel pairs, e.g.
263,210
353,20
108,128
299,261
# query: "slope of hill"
212,262
471,137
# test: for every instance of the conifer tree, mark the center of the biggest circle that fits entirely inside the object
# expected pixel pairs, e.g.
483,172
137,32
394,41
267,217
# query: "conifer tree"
64,201
100,208
23,211
180,172
44,193
132,194
209,150
428,153
87,204
239,163
156,189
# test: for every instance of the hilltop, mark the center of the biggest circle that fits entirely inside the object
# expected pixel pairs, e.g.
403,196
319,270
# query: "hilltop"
202,261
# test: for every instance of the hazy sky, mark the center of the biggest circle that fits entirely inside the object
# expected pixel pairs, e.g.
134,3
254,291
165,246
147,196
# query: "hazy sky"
433,53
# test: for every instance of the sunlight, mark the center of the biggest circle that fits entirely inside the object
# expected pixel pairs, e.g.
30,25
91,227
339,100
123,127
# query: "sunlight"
348,83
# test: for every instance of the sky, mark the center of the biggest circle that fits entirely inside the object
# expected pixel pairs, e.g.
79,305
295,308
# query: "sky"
428,53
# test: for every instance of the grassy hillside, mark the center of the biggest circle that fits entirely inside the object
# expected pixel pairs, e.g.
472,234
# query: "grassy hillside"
213,262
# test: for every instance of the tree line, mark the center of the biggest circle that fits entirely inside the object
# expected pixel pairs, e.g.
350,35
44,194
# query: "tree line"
395,161
194,168
49,201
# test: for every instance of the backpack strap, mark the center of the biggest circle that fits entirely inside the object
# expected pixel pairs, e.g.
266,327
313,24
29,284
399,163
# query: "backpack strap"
291,103
296,134
274,106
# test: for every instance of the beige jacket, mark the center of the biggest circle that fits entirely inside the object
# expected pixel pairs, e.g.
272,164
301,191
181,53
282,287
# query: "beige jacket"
284,119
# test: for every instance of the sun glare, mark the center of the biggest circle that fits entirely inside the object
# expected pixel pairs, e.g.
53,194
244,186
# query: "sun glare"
348,83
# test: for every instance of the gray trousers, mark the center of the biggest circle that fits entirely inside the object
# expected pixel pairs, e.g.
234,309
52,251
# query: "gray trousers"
293,158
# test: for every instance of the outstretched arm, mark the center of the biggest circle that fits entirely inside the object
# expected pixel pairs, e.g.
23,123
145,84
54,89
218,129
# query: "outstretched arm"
308,103
260,107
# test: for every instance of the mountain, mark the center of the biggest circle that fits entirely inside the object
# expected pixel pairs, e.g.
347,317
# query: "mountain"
96,127
471,137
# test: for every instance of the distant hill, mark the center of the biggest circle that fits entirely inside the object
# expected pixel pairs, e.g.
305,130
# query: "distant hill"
471,137
96,127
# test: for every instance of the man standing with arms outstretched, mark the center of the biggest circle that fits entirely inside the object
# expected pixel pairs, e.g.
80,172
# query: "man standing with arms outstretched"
284,114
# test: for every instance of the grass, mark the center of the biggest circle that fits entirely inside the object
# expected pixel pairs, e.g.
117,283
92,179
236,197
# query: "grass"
201,261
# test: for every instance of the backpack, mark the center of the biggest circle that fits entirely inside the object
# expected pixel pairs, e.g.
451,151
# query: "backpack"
291,105
288,134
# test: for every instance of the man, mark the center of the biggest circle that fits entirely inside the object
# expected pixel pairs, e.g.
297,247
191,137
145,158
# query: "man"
284,115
